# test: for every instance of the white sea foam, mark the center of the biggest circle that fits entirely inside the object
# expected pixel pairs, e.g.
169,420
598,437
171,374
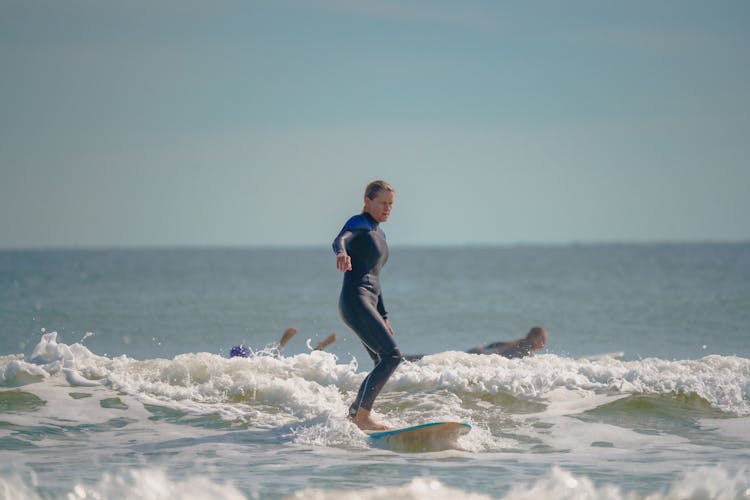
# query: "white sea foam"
269,390
134,484
14,371
704,482
715,483
14,487
723,381
417,489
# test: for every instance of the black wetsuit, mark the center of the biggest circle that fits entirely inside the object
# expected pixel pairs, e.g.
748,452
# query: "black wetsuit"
361,302
510,350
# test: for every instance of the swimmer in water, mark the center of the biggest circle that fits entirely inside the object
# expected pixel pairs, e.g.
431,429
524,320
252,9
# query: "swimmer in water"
277,348
361,252
535,340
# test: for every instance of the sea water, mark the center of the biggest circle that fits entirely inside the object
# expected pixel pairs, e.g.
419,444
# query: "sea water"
115,380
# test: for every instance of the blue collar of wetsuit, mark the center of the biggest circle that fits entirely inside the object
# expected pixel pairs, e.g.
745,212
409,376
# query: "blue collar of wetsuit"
371,219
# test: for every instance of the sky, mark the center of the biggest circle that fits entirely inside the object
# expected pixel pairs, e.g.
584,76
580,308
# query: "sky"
242,123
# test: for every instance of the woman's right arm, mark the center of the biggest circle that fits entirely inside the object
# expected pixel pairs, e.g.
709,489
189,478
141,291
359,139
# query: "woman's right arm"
343,261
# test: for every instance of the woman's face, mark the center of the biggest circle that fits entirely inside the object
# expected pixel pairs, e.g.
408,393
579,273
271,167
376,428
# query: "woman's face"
379,208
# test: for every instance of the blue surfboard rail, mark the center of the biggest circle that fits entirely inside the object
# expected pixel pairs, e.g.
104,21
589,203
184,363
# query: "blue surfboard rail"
393,432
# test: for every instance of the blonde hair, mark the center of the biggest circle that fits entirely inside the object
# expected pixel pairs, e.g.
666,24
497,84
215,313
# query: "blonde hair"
373,188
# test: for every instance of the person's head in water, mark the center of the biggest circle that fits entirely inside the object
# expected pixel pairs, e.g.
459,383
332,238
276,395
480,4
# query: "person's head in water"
379,198
537,338
241,351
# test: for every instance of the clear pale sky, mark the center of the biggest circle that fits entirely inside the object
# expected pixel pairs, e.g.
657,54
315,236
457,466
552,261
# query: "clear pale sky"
166,122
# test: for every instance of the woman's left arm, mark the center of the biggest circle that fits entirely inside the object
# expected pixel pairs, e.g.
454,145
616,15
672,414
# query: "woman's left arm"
390,328
384,314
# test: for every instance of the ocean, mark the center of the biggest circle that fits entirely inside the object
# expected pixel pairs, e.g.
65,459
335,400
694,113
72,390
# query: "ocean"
115,379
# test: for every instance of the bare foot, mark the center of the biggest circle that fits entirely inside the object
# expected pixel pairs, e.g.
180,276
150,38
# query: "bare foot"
326,342
287,336
365,423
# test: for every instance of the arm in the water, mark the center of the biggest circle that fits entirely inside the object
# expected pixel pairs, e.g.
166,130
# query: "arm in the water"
291,332
326,342
287,336
243,351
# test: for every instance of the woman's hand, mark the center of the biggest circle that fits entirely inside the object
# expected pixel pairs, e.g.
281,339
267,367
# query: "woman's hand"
343,262
390,328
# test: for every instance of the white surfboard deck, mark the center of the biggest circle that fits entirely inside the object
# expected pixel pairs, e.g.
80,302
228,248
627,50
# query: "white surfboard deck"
433,436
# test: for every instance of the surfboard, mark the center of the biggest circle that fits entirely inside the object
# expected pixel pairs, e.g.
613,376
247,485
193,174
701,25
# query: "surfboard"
433,436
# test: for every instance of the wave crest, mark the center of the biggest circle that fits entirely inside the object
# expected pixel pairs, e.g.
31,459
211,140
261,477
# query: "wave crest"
307,385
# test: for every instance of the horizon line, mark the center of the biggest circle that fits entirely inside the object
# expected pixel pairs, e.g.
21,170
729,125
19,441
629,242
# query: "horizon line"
294,246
